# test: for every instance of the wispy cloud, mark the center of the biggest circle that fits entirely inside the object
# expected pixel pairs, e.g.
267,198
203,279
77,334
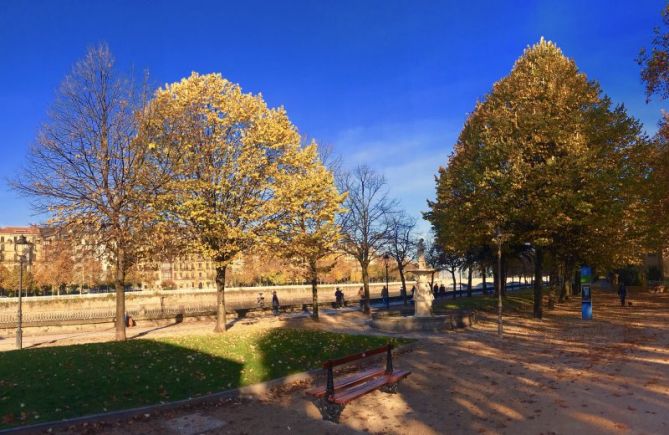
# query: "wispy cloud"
407,154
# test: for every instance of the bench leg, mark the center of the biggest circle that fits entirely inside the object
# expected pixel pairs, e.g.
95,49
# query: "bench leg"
329,411
391,388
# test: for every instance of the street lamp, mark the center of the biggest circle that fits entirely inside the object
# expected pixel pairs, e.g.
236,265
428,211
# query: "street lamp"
386,260
498,239
23,249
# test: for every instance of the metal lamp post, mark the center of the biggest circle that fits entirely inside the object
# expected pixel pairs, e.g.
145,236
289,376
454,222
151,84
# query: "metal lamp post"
23,249
386,260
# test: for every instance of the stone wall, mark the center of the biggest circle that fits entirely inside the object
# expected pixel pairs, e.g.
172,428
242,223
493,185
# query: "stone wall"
99,308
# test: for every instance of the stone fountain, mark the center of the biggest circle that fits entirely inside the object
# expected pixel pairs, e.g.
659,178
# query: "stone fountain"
423,297
423,319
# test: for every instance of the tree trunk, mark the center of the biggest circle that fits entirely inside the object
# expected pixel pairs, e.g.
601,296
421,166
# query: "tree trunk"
504,274
119,286
314,290
567,279
495,279
221,324
538,281
365,284
400,268
484,274
454,282
469,282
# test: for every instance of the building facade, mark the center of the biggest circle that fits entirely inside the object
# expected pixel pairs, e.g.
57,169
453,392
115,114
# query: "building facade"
37,236
190,271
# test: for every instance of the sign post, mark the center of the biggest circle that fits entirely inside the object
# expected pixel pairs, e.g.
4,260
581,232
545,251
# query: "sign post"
586,295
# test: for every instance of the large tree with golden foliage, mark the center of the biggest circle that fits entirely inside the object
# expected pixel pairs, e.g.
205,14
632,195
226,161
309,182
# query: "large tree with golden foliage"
234,164
308,233
655,75
548,160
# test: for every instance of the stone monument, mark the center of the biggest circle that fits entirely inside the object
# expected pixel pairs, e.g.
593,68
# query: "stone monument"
423,297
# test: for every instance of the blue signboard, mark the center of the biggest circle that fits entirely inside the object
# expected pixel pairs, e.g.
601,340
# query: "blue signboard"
586,294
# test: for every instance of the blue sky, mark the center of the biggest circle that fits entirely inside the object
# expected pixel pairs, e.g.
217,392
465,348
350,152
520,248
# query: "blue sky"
387,83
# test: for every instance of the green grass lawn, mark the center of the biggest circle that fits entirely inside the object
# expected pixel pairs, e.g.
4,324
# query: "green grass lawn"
62,382
519,301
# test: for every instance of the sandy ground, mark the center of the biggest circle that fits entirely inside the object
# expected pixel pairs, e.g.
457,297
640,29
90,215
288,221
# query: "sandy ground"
560,375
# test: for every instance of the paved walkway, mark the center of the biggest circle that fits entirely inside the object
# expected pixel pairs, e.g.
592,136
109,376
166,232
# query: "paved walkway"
559,375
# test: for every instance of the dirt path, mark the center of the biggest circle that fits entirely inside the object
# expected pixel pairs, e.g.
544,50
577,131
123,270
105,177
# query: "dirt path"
559,375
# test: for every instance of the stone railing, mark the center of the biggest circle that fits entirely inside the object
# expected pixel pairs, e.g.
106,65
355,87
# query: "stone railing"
80,309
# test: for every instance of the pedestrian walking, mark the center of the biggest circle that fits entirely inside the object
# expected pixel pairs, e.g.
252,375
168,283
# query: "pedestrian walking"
275,303
384,296
339,298
361,295
622,292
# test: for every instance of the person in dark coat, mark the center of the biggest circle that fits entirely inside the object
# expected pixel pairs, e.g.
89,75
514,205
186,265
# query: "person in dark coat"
413,291
622,292
442,289
275,303
339,298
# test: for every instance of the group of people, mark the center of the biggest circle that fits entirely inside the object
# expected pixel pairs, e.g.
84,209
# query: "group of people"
260,301
438,289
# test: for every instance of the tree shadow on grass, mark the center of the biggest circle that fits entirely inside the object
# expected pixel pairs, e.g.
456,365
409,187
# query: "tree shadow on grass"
285,350
55,383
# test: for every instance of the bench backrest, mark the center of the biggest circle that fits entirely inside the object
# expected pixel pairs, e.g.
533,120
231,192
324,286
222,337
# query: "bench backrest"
357,356
328,365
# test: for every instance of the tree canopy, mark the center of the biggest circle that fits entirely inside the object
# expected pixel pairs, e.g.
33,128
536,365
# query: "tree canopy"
236,167
548,159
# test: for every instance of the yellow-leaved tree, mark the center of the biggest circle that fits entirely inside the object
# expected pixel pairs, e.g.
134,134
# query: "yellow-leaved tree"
231,159
308,233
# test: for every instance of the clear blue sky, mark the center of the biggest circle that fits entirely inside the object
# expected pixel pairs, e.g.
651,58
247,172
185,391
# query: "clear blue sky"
388,83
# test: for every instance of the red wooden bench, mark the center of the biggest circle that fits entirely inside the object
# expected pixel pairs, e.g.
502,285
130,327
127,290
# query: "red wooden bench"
331,398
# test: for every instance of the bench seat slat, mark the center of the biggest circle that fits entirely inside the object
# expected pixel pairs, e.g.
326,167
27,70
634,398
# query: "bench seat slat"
349,381
398,375
352,393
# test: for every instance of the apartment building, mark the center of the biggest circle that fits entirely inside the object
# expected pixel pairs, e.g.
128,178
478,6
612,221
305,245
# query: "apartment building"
190,271
39,237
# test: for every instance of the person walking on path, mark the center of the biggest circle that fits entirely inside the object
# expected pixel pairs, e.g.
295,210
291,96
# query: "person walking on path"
275,303
622,292
361,295
339,298
384,296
